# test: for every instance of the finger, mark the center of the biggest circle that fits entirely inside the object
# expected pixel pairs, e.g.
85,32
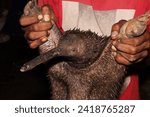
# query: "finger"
28,20
134,58
127,59
37,35
130,49
41,26
120,59
46,13
116,28
124,61
133,41
36,43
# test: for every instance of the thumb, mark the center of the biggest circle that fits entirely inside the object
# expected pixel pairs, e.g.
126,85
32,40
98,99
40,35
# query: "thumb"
48,13
116,29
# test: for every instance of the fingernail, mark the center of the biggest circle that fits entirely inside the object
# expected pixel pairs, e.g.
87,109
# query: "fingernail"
40,17
113,48
46,17
44,39
114,34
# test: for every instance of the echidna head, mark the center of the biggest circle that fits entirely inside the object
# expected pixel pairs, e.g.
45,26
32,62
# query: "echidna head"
81,48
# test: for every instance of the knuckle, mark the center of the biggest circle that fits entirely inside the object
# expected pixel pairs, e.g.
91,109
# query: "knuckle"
132,58
136,42
47,26
31,35
35,27
115,25
42,26
122,60
133,50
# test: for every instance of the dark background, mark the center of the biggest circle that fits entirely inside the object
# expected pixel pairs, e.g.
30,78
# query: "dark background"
13,53
31,85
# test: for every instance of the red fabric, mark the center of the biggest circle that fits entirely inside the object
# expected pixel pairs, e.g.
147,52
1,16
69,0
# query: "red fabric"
141,6
132,91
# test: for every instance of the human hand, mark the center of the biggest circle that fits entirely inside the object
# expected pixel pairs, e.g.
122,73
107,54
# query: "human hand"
129,50
37,26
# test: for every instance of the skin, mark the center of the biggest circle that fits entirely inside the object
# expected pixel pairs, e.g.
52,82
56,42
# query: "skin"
36,32
130,50
126,52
